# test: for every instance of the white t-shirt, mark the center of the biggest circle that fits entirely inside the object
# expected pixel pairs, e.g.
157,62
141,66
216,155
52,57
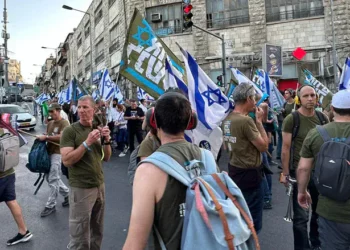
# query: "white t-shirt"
64,115
144,109
112,114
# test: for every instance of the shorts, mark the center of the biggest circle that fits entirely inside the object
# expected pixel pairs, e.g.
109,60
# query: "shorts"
7,188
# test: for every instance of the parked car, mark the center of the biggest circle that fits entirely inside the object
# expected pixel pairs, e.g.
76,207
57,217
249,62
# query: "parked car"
28,98
12,98
24,119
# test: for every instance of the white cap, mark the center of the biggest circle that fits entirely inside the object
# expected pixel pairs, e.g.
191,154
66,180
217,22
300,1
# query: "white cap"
341,100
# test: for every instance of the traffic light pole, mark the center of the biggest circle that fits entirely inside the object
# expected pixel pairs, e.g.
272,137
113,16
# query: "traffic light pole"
5,36
222,38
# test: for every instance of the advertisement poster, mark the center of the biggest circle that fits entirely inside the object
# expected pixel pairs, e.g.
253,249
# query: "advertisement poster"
273,60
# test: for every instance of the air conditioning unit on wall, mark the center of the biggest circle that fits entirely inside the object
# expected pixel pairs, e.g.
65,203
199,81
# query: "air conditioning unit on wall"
156,17
329,71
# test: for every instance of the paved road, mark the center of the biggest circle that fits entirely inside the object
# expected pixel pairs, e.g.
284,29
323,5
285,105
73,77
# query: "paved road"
51,233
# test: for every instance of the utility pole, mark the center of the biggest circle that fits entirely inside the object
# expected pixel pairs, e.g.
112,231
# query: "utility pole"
334,49
6,37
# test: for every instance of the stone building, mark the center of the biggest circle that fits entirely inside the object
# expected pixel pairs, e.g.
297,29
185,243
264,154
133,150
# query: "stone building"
14,71
247,25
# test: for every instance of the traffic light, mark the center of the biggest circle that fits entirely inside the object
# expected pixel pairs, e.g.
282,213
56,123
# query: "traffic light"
187,7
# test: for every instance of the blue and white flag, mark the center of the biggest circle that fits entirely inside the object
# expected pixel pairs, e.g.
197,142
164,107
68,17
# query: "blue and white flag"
268,87
42,98
62,97
173,79
118,94
106,86
345,76
210,104
141,94
240,77
95,95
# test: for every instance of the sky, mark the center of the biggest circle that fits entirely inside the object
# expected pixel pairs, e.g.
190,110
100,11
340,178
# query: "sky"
36,23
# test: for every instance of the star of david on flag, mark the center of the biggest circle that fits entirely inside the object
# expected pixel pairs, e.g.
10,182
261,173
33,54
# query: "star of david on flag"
141,94
107,86
42,98
206,98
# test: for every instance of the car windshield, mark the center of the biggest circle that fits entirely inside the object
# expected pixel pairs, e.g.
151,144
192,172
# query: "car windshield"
12,110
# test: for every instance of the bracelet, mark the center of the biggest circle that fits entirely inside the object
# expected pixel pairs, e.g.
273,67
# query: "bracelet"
86,146
108,142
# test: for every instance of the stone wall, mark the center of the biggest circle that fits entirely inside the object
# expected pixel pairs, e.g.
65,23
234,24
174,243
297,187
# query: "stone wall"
305,33
257,23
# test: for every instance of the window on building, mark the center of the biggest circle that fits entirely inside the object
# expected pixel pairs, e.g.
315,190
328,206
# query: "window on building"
99,51
166,19
279,10
98,14
87,59
222,13
87,30
111,2
79,40
114,38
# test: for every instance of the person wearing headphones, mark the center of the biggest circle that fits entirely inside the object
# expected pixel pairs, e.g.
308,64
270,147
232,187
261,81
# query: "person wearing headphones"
294,130
159,199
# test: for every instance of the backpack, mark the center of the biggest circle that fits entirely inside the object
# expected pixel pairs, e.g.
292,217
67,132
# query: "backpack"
39,162
296,125
332,169
9,151
216,216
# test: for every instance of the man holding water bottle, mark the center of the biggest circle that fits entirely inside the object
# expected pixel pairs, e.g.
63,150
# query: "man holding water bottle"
84,145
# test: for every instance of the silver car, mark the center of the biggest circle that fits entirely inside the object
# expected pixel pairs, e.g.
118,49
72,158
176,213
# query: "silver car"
24,119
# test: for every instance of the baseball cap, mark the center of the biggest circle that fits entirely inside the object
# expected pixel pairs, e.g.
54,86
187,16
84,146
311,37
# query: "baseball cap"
341,100
54,106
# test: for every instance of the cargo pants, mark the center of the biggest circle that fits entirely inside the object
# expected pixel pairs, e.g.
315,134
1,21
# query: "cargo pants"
54,180
86,215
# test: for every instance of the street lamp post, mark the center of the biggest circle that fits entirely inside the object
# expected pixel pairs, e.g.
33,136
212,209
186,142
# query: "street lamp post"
87,13
56,64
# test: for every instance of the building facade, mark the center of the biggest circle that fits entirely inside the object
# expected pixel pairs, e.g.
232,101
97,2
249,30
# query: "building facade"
14,71
246,25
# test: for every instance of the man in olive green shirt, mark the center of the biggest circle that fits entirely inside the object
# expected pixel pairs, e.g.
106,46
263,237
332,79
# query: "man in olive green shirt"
84,145
334,216
246,140
308,120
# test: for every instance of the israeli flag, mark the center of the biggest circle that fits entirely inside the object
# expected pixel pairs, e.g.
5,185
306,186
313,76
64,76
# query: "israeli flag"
345,76
42,98
240,77
141,94
268,87
173,79
106,86
62,97
206,98
95,94
118,94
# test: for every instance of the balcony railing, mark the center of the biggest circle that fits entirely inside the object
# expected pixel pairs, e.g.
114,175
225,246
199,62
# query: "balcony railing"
62,57
87,67
224,22
100,57
80,74
272,16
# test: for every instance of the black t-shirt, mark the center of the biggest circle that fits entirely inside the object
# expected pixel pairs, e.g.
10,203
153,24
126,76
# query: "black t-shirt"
134,124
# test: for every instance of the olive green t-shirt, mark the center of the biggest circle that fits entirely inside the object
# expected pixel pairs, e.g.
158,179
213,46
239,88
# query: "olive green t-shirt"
288,109
306,124
55,128
170,210
87,172
148,146
239,132
9,171
330,209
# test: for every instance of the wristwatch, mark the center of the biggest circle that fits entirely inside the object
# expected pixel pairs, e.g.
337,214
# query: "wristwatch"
109,142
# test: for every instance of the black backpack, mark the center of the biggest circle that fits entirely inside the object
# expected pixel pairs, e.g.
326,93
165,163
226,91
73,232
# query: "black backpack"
39,162
332,169
296,125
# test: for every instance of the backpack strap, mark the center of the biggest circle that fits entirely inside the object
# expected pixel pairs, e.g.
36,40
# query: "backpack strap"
323,132
208,161
296,124
159,237
321,117
169,166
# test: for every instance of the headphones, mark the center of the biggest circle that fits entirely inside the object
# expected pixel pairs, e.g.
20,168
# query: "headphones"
151,113
297,98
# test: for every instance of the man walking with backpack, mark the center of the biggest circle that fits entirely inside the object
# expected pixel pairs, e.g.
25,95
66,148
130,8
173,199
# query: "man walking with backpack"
295,128
327,150
160,199
54,130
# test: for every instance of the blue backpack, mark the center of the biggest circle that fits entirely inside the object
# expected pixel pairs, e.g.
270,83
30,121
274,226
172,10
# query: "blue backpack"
39,162
216,216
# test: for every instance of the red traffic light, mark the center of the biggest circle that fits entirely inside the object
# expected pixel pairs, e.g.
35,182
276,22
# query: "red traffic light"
188,8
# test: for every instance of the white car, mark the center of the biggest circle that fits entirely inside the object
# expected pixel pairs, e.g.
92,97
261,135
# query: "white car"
24,119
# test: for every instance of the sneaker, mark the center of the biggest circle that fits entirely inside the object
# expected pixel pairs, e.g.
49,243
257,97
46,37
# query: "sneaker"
66,202
122,154
267,205
20,238
125,150
47,211
273,163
